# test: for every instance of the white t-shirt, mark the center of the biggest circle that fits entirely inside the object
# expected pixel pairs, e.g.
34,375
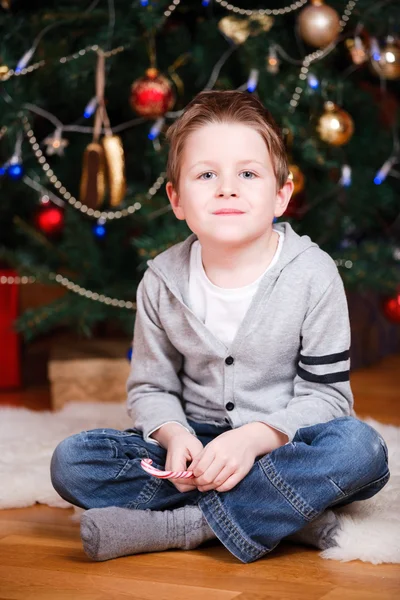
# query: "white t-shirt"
221,309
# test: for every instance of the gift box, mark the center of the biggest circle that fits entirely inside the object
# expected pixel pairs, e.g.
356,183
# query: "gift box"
10,350
88,371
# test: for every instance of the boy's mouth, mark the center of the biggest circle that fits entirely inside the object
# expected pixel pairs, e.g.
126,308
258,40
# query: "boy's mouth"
228,211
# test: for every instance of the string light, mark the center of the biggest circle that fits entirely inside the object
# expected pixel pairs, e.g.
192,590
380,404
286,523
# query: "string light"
374,49
384,170
272,60
72,287
25,60
253,80
90,212
83,51
312,81
156,128
99,229
90,108
262,11
13,167
358,53
317,55
345,179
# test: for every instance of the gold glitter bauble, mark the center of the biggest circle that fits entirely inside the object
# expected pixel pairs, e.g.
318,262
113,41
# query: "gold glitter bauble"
388,65
297,178
238,30
319,24
335,126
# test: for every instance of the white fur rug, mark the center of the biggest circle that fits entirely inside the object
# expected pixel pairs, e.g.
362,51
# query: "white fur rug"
370,529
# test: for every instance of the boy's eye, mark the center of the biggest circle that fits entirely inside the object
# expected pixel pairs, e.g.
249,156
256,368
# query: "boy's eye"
202,176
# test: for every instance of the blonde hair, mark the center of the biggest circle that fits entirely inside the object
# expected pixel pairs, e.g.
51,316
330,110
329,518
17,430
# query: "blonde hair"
226,106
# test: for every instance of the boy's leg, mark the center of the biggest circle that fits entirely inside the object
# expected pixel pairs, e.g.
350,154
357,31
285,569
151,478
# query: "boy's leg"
326,465
101,468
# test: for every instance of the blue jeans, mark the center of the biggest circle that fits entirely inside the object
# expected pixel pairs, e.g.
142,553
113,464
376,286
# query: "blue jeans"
326,465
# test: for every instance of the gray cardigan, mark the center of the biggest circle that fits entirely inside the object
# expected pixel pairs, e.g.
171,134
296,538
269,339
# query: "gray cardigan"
288,365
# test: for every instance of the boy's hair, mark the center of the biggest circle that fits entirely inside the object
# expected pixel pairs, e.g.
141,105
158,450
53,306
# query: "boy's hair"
226,106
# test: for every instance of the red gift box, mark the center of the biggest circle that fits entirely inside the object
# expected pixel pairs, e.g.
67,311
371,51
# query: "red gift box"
10,351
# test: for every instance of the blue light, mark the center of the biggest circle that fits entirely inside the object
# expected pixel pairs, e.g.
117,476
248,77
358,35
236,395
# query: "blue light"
251,87
152,135
129,354
15,171
99,230
90,108
313,81
2,171
376,56
144,2
377,180
205,2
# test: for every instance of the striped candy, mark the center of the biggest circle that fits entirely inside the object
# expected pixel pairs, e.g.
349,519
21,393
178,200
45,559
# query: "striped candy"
146,465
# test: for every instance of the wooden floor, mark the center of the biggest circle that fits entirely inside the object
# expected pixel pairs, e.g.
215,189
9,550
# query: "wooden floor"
41,556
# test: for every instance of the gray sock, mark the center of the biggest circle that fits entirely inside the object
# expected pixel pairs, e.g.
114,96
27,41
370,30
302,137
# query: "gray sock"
111,532
321,532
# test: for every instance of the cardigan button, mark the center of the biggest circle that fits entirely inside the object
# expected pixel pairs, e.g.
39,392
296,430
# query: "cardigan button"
229,360
230,406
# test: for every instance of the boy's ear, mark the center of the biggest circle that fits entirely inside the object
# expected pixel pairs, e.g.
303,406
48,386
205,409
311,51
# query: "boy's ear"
283,198
175,202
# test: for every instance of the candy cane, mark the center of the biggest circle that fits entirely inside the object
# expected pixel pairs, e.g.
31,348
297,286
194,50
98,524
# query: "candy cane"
146,462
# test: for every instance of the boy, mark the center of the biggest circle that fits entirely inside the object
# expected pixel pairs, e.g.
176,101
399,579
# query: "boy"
240,369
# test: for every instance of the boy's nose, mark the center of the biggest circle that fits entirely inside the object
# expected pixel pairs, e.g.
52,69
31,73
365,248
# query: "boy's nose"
227,189
227,193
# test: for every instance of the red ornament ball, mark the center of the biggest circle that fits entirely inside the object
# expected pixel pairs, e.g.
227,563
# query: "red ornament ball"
49,219
152,95
391,308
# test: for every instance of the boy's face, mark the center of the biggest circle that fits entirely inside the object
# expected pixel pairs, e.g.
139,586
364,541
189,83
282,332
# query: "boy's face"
227,166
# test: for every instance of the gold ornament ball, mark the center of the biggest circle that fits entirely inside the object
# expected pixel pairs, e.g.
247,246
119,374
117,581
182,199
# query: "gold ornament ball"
388,65
335,126
319,24
297,178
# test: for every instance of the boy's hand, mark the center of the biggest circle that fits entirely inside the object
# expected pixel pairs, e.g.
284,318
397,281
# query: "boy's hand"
226,460
182,447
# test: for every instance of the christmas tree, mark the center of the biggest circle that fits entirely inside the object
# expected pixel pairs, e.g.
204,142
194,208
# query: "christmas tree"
89,91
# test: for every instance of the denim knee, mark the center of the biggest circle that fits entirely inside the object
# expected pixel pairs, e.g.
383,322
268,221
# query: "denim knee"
62,465
365,445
